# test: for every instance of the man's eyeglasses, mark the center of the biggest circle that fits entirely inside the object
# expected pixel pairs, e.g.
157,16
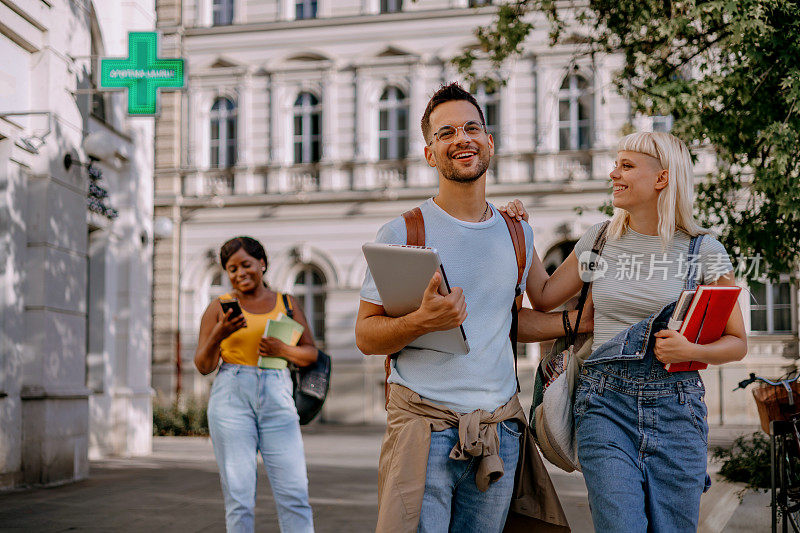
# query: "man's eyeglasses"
447,134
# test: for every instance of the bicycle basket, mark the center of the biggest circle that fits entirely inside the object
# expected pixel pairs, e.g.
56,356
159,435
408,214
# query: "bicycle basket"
773,403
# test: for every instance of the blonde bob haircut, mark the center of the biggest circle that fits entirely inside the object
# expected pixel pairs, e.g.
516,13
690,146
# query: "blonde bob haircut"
676,200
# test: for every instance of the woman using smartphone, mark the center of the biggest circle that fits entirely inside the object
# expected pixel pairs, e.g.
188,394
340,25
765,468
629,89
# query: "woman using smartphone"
641,431
251,408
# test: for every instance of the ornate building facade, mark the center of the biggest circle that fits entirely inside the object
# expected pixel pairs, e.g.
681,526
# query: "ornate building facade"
300,128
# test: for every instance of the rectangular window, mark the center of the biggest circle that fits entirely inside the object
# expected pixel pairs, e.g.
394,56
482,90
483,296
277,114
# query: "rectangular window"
231,153
479,3
215,154
391,6
773,307
305,9
222,12
298,152
316,150
383,148
662,123
564,142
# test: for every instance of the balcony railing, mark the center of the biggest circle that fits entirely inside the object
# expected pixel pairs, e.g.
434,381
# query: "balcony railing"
390,176
211,183
573,168
569,167
303,178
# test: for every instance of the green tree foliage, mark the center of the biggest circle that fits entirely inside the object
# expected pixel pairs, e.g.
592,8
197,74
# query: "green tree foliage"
728,71
748,461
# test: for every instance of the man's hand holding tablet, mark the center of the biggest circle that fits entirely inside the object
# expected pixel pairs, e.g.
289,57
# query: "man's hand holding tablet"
439,311
413,287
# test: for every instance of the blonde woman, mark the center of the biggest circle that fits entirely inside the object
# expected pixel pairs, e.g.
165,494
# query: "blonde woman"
641,431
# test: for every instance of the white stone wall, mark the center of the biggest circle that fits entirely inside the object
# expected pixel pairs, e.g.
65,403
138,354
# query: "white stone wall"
51,421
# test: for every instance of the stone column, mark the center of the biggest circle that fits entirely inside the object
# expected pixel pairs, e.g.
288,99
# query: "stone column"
243,180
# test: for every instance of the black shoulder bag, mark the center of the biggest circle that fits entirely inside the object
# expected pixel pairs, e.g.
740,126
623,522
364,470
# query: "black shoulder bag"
311,383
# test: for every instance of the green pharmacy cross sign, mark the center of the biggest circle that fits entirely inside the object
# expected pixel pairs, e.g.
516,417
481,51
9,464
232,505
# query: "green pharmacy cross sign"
143,73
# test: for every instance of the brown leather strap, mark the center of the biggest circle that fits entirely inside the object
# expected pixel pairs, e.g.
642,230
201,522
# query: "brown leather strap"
387,366
518,238
415,236
415,227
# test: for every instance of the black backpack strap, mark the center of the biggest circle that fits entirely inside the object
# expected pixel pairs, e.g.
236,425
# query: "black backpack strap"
287,304
597,249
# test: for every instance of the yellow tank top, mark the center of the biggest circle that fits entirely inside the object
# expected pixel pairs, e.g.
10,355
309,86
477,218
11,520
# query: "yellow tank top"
241,347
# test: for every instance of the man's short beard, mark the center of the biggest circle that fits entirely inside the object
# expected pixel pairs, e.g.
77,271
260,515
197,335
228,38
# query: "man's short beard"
449,172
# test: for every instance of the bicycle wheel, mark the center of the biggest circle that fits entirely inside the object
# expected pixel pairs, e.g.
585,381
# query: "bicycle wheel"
788,493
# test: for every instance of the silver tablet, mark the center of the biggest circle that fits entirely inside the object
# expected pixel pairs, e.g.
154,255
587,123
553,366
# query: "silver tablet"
401,274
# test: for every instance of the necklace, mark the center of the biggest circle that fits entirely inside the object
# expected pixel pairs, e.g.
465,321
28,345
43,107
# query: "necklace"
483,216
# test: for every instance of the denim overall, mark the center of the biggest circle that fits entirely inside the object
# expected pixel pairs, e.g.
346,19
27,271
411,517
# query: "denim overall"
641,432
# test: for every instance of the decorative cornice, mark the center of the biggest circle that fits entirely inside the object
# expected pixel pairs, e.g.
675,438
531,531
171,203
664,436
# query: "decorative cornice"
382,195
340,21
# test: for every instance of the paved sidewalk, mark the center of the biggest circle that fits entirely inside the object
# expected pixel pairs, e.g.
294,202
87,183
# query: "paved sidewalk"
177,490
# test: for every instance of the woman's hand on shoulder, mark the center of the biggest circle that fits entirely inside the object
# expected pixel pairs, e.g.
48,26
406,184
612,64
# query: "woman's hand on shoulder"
515,209
229,325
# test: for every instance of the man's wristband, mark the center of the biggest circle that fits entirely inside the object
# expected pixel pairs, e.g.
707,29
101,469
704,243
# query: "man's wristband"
567,327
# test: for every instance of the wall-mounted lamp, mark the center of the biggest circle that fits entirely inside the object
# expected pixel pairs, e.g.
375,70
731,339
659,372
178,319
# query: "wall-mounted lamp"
69,161
162,227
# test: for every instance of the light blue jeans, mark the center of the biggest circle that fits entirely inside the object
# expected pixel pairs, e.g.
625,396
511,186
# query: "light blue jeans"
252,410
452,501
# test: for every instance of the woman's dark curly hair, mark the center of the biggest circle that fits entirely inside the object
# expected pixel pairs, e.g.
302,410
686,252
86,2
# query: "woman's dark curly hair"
250,245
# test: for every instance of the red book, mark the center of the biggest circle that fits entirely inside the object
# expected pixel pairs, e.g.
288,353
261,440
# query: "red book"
706,319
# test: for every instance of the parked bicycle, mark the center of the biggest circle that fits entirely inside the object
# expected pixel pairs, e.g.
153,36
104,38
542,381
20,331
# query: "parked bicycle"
778,405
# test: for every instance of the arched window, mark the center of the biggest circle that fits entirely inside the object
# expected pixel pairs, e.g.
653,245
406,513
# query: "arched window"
489,100
220,284
392,124
574,113
305,9
309,289
222,12
557,255
223,133
307,129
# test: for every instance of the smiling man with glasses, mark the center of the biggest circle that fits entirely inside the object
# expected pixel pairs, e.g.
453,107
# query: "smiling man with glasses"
453,421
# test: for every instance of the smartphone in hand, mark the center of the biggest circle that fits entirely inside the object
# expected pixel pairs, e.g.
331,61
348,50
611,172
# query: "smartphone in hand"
231,304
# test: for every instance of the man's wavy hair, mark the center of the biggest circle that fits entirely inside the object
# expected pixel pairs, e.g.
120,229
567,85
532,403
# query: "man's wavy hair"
446,93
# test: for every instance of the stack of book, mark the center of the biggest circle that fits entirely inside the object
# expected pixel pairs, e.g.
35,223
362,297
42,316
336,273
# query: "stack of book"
285,330
701,316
